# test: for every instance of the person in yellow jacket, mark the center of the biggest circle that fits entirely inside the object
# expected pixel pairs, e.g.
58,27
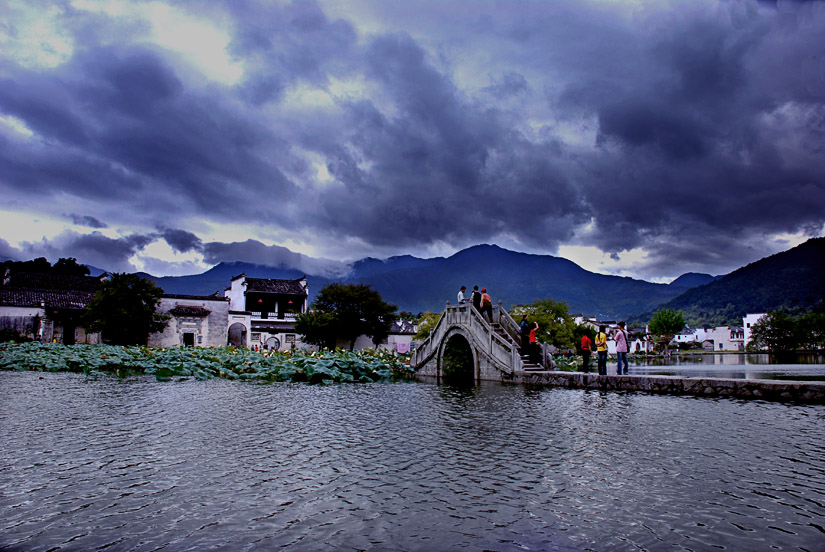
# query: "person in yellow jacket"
601,349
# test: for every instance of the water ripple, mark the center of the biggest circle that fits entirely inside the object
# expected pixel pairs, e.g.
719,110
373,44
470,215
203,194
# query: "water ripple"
139,465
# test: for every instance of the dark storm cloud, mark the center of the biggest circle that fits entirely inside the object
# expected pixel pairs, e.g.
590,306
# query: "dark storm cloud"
288,45
107,253
181,240
255,252
119,126
660,127
442,168
9,252
88,221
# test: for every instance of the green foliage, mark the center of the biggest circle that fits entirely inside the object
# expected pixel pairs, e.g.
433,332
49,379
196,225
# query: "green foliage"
781,332
124,310
41,265
426,323
556,327
457,361
811,330
208,362
666,323
346,311
70,267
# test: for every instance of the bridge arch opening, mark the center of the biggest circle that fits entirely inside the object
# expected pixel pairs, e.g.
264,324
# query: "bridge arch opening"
457,365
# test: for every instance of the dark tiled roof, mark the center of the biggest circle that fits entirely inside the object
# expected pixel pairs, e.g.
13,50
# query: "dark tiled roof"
36,281
214,297
268,285
29,289
189,310
402,327
51,298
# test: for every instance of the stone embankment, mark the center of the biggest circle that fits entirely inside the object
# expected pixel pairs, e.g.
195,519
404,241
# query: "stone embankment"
771,390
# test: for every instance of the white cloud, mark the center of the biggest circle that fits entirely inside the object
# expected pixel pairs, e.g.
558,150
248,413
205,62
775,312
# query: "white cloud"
32,36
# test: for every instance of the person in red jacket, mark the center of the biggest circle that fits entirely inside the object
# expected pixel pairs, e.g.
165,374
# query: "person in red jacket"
486,305
586,352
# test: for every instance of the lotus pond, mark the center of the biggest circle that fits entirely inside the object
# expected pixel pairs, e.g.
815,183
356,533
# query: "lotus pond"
202,363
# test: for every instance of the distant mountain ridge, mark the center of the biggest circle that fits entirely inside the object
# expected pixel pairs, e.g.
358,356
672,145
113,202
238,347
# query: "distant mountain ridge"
792,280
417,285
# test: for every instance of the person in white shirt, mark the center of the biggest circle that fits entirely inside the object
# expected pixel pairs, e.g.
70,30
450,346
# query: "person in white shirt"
461,298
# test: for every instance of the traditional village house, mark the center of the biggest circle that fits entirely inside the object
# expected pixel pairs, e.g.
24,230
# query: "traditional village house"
262,311
195,321
726,338
48,307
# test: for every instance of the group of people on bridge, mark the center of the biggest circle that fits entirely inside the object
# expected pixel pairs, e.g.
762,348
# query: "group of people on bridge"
481,300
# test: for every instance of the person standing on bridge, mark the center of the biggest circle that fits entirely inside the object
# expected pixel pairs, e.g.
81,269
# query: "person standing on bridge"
476,299
461,298
621,348
601,350
586,352
486,305
524,326
535,350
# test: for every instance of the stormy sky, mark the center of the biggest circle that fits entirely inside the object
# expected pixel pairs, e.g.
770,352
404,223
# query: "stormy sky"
645,139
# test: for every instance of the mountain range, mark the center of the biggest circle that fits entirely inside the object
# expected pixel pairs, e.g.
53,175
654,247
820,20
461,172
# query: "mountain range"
417,285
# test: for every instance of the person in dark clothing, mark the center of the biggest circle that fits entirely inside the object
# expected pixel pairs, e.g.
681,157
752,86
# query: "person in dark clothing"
524,326
476,298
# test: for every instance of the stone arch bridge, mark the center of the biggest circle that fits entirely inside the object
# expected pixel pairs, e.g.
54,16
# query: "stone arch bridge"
495,347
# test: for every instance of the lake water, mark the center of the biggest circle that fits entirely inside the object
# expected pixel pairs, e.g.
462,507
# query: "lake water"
219,465
796,367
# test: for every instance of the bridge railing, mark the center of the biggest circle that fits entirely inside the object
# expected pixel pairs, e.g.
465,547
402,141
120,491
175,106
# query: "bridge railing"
504,352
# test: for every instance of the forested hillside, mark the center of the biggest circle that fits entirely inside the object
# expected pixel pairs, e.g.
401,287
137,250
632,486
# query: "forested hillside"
792,281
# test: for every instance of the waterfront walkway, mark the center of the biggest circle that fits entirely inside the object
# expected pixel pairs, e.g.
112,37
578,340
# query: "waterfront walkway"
494,348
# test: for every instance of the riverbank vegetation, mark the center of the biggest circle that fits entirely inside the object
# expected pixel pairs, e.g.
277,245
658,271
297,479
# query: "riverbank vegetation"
782,332
203,363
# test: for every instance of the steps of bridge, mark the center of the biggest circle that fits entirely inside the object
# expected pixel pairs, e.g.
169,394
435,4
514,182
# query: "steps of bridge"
528,366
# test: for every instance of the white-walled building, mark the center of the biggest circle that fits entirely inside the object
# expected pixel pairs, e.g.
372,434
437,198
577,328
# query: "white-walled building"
726,338
262,311
195,321
747,323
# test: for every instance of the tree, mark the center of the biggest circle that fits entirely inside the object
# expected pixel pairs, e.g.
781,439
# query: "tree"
556,327
811,330
776,332
124,309
70,267
426,323
346,311
665,324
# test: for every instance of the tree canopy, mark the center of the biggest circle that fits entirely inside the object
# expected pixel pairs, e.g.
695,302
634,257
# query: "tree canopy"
665,324
780,332
426,323
67,266
346,311
124,309
556,327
